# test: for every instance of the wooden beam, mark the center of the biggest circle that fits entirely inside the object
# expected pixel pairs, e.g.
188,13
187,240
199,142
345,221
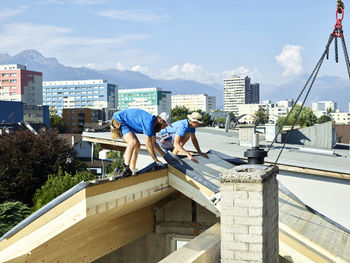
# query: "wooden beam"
98,240
203,248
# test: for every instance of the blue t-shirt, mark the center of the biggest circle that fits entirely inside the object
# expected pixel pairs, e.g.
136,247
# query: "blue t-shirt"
180,128
139,121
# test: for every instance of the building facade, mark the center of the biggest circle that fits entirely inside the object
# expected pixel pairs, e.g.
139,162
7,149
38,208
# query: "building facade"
194,102
323,107
95,94
152,100
20,84
16,111
340,117
239,90
75,118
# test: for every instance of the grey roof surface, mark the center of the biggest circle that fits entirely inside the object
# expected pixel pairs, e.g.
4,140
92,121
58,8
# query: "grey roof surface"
217,139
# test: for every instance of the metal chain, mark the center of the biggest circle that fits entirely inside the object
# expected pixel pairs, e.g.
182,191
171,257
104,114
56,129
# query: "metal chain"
346,55
336,49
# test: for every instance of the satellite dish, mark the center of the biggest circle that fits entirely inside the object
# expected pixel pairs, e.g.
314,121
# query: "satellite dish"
227,124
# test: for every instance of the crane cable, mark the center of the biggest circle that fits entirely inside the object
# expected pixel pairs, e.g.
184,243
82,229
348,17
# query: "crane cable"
337,33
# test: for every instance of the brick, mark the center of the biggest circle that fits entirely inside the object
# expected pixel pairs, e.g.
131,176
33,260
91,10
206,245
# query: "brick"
235,246
248,238
255,211
255,247
248,255
249,187
257,230
255,221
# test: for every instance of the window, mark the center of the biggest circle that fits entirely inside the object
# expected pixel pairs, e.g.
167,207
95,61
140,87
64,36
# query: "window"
5,74
13,74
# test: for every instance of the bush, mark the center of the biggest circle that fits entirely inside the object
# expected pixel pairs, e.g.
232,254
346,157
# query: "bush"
11,213
56,185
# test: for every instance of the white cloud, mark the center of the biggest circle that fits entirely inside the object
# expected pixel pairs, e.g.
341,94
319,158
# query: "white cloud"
137,15
201,74
69,50
141,69
291,60
9,12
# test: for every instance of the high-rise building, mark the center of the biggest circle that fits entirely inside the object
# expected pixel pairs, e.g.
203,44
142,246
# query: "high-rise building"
95,94
194,102
340,117
20,84
238,90
152,100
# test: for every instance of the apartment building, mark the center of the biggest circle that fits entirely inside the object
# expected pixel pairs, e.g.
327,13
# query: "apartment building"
152,100
321,108
19,84
239,90
75,118
340,117
94,94
194,102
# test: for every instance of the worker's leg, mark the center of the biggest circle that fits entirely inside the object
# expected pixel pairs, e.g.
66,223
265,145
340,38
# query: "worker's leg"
135,154
132,143
183,141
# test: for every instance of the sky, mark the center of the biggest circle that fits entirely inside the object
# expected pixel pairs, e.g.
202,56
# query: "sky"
204,40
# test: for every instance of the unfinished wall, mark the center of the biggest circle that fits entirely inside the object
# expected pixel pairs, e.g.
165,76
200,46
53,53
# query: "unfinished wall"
343,130
176,217
319,135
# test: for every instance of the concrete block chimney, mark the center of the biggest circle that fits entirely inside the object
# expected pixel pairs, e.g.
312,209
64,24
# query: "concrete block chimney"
249,214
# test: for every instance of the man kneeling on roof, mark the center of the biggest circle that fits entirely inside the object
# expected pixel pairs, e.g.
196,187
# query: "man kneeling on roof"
126,123
174,137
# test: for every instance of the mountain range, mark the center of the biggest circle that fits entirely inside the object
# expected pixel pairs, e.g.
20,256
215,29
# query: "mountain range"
325,87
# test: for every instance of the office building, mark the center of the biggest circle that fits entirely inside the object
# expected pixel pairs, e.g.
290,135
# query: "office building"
20,84
95,94
152,100
194,102
239,90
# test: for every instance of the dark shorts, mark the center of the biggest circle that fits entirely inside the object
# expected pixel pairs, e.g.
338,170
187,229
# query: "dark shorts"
166,141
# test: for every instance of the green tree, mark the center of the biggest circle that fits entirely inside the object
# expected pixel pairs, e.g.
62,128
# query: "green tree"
27,160
57,122
179,113
323,119
220,119
306,117
56,185
97,148
261,116
117,163
11,213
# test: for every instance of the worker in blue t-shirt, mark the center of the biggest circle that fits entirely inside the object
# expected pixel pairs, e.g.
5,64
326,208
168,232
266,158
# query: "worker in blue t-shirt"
132,121
175,137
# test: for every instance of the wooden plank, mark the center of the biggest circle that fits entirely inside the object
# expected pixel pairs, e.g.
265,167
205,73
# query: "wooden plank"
304,247
118,143
98,241
203,248
190,181
44,219
124,182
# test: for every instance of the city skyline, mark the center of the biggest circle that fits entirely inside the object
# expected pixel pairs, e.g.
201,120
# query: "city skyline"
205,42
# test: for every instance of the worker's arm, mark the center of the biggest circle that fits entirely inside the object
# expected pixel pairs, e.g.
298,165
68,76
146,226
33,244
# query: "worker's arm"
150,148
157,147
196,145
180,148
